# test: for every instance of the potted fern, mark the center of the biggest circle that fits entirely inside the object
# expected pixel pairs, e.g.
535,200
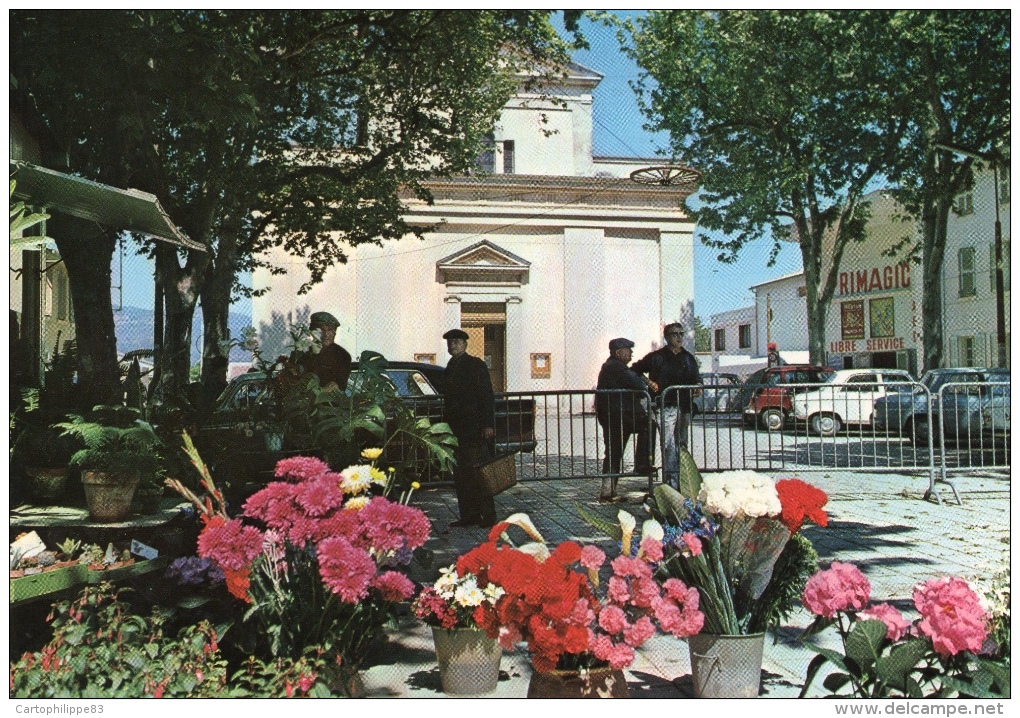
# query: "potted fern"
119,447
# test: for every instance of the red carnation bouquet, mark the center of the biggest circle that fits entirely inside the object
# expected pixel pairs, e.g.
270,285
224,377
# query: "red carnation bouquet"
553,600
316,554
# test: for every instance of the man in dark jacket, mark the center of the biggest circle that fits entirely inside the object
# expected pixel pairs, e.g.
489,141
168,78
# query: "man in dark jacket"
332,364
619,410
671,365
469,407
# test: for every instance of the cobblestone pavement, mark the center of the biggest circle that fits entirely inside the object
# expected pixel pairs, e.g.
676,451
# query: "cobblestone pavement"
880,522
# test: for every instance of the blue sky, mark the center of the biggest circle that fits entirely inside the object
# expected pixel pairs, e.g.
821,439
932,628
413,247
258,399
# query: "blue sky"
618,131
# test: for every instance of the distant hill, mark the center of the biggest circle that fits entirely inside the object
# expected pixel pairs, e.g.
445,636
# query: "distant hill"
133,326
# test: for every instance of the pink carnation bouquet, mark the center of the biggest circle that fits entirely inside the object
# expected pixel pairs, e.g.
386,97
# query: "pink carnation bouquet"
884,653
317,555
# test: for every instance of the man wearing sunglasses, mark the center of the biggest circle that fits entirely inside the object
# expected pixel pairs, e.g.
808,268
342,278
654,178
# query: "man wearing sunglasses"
670,366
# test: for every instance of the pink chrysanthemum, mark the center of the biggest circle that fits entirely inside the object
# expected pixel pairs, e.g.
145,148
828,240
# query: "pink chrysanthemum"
346,570
300,468
319,496
260,503
229,543
842,587
951,615
896,626
388,526
592,557
393,586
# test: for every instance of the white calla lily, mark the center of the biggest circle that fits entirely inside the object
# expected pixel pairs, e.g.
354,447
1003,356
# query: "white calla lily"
523,521
539,550
627,523
652,529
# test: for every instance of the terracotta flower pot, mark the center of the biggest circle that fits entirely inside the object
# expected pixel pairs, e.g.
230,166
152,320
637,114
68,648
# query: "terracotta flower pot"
109,494
726,666
593,683
468,660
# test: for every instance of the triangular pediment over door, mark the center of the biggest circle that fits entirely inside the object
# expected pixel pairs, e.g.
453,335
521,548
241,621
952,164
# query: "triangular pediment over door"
483,263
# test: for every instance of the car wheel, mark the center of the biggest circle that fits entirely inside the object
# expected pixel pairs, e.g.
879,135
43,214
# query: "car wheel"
772,419
826,424
917,431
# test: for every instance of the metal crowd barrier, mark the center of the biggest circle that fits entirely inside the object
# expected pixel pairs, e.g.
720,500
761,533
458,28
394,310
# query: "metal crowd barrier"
851,427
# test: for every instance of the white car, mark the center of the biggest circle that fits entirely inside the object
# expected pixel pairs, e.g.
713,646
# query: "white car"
848,397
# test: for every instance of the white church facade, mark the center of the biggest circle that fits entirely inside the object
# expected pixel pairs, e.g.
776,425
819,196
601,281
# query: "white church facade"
542,259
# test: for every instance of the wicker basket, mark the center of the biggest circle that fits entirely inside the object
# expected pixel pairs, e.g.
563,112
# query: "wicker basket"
499,474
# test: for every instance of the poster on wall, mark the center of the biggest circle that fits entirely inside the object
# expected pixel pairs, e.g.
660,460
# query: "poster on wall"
853,319
883,318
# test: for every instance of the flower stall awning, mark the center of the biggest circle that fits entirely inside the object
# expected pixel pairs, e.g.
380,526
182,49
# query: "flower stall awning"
126,209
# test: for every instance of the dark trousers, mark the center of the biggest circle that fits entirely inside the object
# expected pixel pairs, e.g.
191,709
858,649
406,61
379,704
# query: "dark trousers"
473,502
616,434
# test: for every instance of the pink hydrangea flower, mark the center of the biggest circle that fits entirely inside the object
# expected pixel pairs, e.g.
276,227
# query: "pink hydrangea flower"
300,468
896,625
651,549
842,587
592,557
951,615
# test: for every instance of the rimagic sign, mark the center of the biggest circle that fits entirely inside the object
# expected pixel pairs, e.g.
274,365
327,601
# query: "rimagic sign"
891,276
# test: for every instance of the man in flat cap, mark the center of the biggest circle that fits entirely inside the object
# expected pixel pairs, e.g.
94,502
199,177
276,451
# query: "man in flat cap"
620,413
332,364
671,365
469,407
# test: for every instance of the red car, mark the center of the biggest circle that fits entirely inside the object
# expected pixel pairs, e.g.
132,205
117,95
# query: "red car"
768,399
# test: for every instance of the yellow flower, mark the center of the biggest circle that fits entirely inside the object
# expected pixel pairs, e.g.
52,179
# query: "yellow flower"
378,477
371,454
415,485
357,503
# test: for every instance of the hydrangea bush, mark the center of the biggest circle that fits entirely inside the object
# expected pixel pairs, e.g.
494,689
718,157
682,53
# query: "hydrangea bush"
941,653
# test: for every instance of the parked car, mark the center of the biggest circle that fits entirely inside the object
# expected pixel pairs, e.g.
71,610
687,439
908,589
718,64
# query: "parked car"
964,393
767,394
420,385
720,394
848,398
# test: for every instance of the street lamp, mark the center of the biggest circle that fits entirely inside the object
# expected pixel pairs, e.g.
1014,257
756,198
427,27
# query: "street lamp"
1000,289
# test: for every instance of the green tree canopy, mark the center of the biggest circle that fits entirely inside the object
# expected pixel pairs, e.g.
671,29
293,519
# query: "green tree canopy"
783,114
307,123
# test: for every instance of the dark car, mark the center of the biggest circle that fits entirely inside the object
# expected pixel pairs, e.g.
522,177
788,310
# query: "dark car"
721,394
958,397
768,393
233,436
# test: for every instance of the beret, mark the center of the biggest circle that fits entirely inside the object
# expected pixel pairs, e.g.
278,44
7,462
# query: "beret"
620,343
456,334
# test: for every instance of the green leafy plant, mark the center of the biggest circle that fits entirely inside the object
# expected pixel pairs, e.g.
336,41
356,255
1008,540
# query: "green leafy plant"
101,649
371,414
115,439
22,219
